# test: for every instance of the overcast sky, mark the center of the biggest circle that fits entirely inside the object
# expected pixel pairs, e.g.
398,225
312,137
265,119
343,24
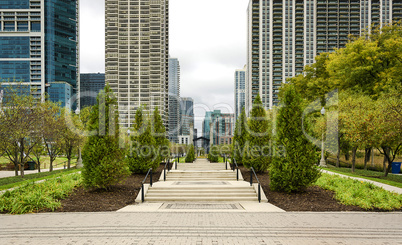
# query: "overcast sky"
208,37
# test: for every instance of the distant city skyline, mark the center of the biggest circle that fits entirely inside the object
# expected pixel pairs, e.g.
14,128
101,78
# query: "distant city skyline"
209,49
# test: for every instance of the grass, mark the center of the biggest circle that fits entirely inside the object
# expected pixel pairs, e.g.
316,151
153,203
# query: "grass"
391,179
44,161
359,193
10,182
36,197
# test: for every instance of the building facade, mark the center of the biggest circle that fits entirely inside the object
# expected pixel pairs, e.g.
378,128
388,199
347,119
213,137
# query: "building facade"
61,92
240,89
186,115
136,55
91,85
218,127
174,100
39,45
286,35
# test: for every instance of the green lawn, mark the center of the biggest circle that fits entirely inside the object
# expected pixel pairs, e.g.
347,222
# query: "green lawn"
59,162
10,182
391,179
359,193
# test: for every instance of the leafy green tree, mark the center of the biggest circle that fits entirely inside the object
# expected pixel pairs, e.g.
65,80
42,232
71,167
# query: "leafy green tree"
102,158
142,154
293,169
258,146
213,155
70,133
159,132
240,137
190,157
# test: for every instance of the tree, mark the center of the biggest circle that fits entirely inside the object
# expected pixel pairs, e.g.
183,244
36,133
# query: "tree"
190,156
142,154
51,134
295,168
240,137
70,133
102,158
38,151
159,132
20,120
213,155
258,145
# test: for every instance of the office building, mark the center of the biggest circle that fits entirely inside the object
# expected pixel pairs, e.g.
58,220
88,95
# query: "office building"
60,92
286,35
39,45
186,115
174,100
136,56
218,127
240,89
91,85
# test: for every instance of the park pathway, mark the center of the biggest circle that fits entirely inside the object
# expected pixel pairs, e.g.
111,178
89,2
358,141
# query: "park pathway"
202,185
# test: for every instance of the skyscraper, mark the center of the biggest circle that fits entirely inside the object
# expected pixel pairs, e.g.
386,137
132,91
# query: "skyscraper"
186,115
286,35
174,100
39,45
220,126
137,34
91,85
240,88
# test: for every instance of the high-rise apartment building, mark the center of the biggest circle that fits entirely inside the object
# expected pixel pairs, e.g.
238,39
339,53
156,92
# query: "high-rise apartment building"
137,34
240,89
186,115
91,85
218,127
174,100
39,45
286,35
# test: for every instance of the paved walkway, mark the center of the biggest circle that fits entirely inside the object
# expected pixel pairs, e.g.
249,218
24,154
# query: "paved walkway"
4,174
202,228
384,186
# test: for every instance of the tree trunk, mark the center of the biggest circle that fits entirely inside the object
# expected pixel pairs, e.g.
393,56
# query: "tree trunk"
338,154
16,169
51,165
384,163
38,163
347,155
367,157
354,150
68,162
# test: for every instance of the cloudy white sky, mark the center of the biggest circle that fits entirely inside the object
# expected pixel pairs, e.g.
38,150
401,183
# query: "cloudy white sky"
208,37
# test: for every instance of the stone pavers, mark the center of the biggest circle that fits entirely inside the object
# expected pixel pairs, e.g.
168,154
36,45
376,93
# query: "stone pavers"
202,228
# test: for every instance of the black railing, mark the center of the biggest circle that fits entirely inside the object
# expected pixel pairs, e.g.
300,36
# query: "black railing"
251,183
237,169
167,165
142,184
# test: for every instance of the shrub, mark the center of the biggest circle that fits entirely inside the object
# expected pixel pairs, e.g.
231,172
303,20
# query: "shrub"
142,154
213,155
258,149
295,169
102,158
190,157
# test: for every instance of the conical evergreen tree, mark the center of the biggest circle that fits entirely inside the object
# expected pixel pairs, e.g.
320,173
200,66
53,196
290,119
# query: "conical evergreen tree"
213,155
190,157
240,137
159,132
293,168
102,158
258,146
142,154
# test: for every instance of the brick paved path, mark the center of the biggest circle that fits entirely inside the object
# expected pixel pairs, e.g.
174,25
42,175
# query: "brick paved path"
202,228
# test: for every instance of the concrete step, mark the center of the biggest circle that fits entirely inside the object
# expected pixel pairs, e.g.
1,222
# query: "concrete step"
200,199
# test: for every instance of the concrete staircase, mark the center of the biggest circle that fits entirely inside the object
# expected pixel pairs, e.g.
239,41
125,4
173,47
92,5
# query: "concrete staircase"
201,181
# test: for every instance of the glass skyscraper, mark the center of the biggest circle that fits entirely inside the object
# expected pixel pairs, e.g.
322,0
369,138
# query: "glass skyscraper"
240,89
174,100
39,44
91,85
286,35
186,115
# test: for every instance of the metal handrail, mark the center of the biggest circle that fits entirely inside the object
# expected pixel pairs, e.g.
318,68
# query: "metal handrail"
251,183
237,167
142,184
164,169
